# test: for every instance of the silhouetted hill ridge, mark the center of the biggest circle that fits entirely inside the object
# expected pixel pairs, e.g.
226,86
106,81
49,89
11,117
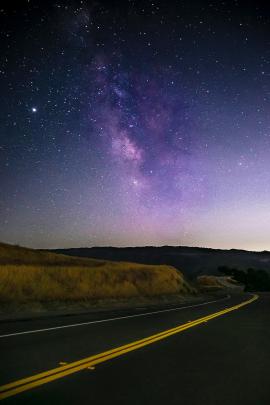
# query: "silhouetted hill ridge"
193,261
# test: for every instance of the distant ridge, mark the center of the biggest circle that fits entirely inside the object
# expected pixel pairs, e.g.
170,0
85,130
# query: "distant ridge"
193,261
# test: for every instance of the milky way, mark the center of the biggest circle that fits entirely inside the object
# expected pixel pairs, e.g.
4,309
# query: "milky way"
139,123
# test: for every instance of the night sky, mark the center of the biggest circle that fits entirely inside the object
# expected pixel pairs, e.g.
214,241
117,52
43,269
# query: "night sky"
135,123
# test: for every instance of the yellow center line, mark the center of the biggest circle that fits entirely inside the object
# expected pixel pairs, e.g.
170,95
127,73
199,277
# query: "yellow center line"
28,383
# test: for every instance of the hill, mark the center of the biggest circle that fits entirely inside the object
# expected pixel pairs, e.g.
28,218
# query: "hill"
218,282
28,275
194,261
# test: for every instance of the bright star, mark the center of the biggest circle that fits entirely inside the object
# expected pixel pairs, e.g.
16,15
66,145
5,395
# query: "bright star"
34,109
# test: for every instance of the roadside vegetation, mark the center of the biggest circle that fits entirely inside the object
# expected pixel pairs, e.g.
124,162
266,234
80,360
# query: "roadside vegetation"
28,275
252,279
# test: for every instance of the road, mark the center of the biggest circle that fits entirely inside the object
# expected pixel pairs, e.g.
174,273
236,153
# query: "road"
220,359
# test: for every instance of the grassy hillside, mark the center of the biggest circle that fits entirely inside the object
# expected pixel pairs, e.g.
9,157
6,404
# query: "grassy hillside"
17,255
211,283
28,275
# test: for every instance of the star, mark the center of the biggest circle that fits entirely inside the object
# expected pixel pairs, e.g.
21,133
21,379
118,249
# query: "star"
34,109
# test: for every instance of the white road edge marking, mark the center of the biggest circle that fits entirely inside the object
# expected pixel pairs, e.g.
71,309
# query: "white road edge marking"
112,319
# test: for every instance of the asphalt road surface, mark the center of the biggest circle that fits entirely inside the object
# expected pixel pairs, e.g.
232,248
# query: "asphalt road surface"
222,359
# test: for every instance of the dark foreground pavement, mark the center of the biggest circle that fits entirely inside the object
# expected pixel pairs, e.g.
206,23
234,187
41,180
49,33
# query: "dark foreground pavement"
223,362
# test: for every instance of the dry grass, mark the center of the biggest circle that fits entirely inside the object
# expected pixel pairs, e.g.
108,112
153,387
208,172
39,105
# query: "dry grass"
27,275
209,282
10,254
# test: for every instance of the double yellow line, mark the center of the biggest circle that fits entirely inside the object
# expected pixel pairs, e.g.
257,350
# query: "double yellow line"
45,377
